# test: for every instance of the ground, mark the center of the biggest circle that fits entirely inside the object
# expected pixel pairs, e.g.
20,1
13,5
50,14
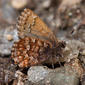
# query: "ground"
67,21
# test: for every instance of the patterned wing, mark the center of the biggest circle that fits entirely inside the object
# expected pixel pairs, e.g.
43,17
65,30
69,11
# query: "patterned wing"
30,51
29,24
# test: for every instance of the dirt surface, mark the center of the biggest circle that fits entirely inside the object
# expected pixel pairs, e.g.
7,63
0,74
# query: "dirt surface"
66,19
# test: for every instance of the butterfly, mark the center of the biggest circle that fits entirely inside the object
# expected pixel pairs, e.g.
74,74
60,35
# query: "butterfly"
37,44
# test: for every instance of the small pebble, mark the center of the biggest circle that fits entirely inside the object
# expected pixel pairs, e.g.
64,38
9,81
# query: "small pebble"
9,37
70,14
83,52
19,4
46,4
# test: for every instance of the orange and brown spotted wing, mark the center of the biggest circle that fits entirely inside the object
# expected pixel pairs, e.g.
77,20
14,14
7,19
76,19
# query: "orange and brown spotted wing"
29,51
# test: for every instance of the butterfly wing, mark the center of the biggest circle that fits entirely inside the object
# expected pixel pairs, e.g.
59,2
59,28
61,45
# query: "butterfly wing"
30,51
29,24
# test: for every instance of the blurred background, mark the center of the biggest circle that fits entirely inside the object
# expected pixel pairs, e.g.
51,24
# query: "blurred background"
66,18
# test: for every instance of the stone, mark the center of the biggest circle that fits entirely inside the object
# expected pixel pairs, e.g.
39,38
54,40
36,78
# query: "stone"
38,75
18,4
6,42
